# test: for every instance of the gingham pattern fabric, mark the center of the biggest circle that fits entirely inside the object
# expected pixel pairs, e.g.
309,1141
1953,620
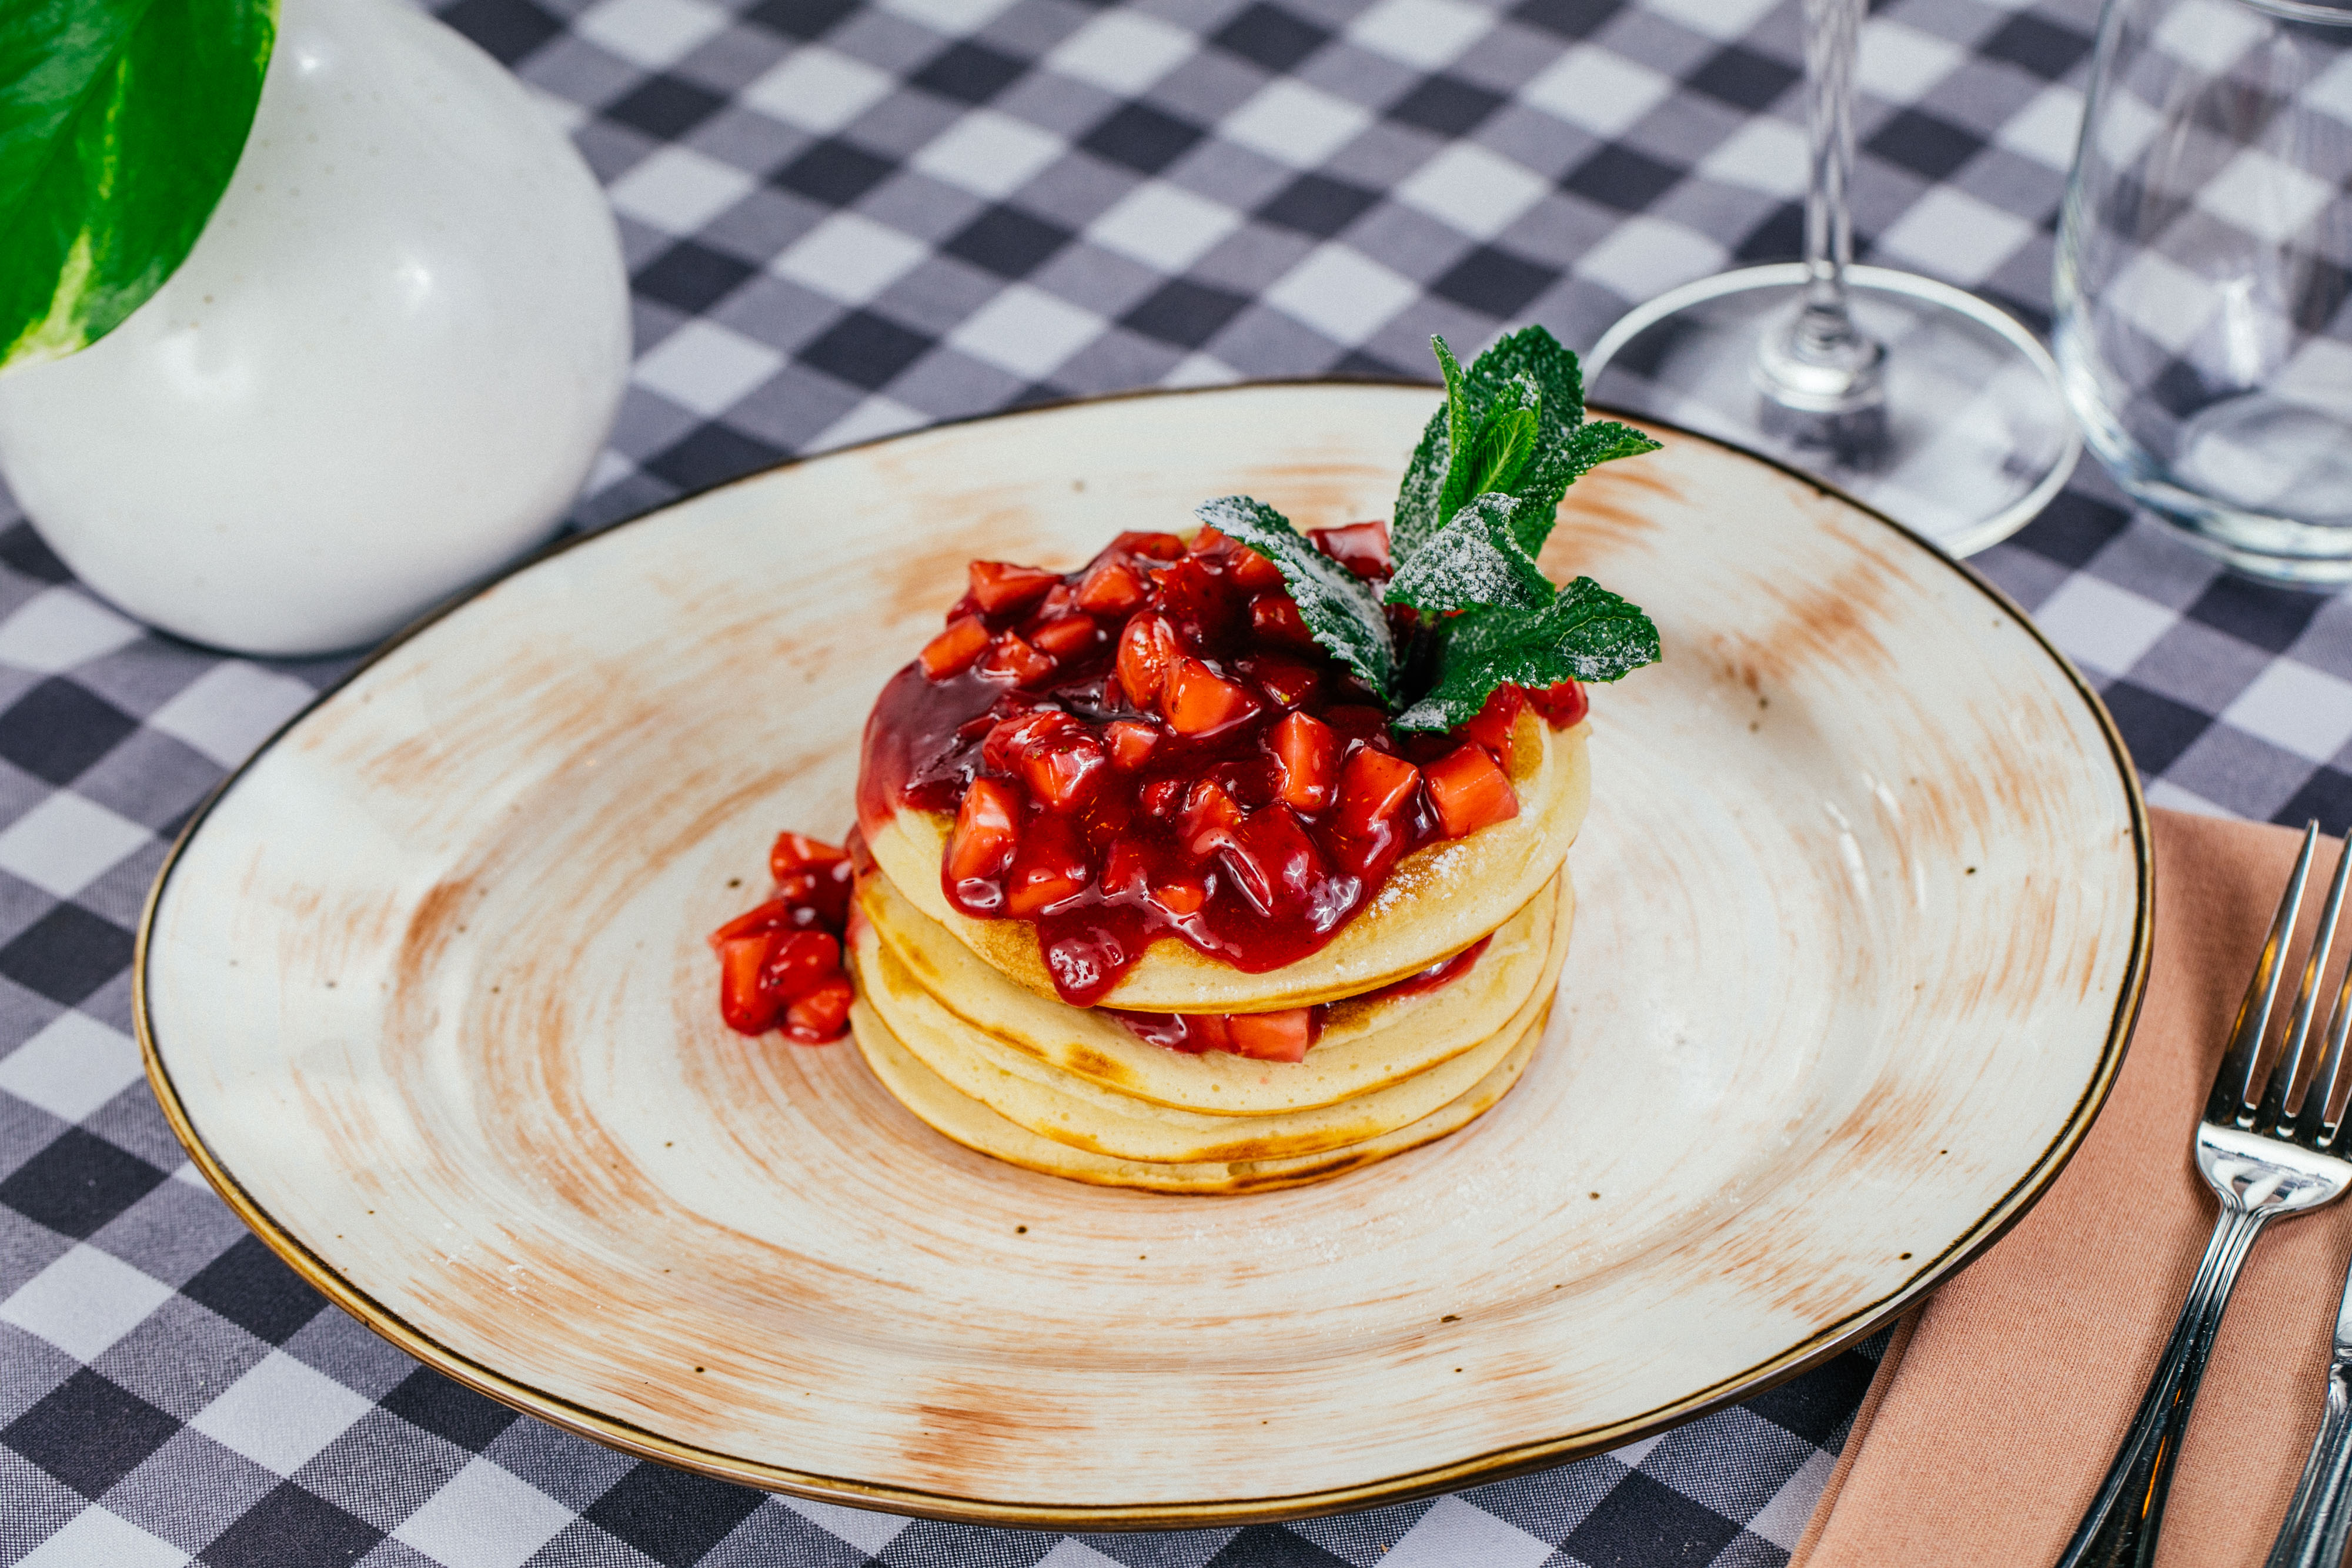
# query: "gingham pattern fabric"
843,220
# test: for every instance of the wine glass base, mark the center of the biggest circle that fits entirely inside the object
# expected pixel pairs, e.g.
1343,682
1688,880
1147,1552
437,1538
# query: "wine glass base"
1974,437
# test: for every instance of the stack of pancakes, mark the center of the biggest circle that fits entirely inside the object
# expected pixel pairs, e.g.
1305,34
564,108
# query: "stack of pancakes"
959,1020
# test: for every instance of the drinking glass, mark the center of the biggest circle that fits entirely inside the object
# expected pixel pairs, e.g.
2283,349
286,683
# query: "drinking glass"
2204,254
1916,396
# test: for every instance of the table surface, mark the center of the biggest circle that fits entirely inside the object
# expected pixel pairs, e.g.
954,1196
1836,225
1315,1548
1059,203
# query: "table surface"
845,220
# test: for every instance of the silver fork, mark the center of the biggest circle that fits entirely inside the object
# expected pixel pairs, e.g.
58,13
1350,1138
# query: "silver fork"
2278,1155
2319,1520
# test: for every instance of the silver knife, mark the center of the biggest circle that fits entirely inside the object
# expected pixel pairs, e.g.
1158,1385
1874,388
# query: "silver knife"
2319,1520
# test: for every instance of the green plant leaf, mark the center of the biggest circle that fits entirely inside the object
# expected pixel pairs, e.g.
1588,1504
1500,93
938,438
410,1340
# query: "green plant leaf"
1585,634
1337,607
1546,479
120,122
1498,448
1472,562
1479,441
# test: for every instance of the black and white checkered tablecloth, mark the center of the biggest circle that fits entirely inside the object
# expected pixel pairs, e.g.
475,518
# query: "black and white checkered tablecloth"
847,219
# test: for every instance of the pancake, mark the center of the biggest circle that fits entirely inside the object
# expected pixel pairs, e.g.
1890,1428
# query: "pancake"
976,1127
1437,900
1069,1110
1367,1044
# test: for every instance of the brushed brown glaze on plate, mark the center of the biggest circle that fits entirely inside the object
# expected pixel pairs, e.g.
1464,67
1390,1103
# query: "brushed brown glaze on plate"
1863,912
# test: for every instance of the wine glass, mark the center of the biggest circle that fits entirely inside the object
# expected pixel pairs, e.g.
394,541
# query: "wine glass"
2204,260
1913,395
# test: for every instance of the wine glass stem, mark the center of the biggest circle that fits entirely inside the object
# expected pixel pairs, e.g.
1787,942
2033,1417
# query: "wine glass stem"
1831,30
1819,360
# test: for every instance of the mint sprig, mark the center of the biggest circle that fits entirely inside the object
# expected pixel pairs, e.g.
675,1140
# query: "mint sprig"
1473,446
1473,561
1477,502
1584,633
1339,607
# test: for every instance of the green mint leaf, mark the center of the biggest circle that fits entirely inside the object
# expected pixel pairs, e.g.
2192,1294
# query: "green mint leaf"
1546,479
1419,494
120,123
1585,634
1471,445
1339,608
1421,508
1474,561
1496,450
1533,355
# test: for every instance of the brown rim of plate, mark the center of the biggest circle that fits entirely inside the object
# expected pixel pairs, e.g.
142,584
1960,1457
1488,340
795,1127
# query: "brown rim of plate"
1495,1465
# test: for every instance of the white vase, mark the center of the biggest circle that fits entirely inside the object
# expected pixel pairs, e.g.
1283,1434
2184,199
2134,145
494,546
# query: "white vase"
383,371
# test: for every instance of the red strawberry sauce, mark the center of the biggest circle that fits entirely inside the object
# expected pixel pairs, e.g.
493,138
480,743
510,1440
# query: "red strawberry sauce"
1154,746
1282,1036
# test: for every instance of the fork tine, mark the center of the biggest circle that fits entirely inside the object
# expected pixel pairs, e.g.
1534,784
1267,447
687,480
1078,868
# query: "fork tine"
2281,1087
2315,1126
2231,1102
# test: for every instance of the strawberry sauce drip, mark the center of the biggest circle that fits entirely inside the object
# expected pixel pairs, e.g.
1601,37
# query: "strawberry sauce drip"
1155,746
1247,1034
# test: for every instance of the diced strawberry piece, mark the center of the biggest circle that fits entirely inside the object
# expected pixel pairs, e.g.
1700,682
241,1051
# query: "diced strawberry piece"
1180,895
1208,1032
1210,818
1010,655
1198,701
815,898
1361,548
1020,734
1205,608
1158,798
1131,742
1289,682
746,1006
1564,705
1306,762
1470,790
797,852
798,962
1063,768
1253,570
1274,865
1068,637
1272,1037
1125,870
813,877
1147,652
1208,541
769,916
1111,588
1275,619
1050,867
822,1015
1375,789
1060,599
1152,546
1493,725
955,650
1001,587
1009,740
794,889
987,829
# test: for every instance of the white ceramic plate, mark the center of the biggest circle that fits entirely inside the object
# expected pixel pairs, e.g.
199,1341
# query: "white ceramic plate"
1863,922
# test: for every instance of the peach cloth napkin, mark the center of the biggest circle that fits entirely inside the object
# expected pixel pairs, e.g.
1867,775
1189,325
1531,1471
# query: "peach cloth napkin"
1985,1433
